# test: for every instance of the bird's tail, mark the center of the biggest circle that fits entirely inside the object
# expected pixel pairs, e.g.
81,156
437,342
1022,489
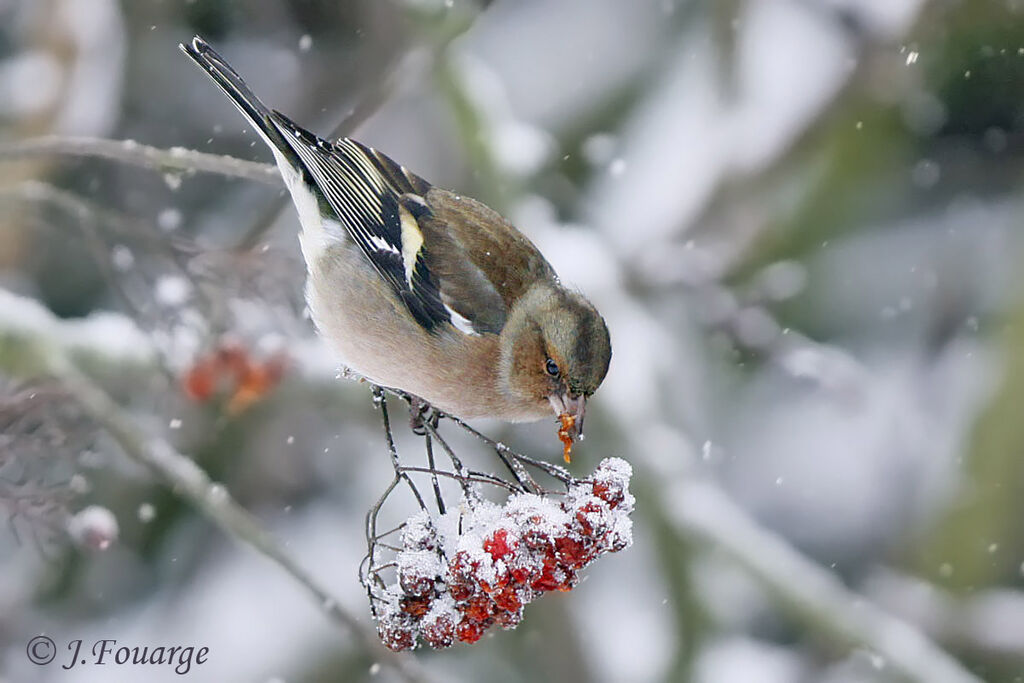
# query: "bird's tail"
200,52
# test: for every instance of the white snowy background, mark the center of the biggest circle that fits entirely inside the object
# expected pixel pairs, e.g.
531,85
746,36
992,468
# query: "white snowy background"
800,218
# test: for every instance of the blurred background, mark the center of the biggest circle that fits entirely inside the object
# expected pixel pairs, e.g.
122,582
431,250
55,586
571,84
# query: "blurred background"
801,219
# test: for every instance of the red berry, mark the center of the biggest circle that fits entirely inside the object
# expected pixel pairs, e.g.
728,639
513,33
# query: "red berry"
501,580
396,634
497,545
479,608
523,575
547,581
618,543
507,619
461,590
469,631
536,539
462,567
584,525
440,632
419,536
613,495
591,519
508,600
415,584
415,606
571,552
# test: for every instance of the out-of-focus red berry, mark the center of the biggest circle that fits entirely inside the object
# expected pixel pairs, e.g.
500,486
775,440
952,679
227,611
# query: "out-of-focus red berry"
200,381
229,368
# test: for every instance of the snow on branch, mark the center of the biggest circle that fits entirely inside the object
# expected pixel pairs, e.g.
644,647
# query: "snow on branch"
701,511
173,160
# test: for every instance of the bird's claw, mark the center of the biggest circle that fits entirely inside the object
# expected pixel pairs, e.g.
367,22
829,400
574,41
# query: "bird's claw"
420,414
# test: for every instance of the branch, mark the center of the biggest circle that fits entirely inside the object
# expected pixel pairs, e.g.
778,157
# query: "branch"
175,159
27,349
700,511
967,623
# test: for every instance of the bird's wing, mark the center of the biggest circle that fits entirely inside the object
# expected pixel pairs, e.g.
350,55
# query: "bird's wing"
482,262
363,188
450,259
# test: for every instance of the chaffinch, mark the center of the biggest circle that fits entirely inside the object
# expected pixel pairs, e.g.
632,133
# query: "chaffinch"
424,290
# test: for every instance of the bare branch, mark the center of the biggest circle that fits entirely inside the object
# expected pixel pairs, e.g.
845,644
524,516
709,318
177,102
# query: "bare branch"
175,159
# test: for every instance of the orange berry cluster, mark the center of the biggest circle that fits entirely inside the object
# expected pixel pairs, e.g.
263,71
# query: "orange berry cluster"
230,368
463,572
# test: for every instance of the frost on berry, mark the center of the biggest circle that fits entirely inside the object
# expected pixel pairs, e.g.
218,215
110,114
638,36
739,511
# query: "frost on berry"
438,625
418,570
479,565
396,631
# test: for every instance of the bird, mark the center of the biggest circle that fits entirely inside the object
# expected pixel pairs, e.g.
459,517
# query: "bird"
424,290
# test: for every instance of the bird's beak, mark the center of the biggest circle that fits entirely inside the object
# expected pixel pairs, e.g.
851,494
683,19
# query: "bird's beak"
570,410
573,406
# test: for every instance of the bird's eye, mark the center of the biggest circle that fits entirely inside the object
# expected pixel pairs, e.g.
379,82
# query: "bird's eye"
551,367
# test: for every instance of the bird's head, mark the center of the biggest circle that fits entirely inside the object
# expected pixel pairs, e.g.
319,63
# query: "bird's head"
555,350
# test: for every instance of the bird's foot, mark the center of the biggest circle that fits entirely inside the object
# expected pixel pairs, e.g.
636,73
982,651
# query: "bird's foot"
420,414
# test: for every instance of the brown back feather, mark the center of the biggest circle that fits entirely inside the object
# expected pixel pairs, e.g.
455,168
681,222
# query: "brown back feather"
482,262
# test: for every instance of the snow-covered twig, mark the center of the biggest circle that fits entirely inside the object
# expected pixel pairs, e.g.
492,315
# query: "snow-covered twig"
28,350
175,159
701,511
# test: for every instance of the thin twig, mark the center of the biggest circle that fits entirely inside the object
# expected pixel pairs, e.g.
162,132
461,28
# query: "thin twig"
460,469
471,476
433,473
555,471
175,159
380,400
371,542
